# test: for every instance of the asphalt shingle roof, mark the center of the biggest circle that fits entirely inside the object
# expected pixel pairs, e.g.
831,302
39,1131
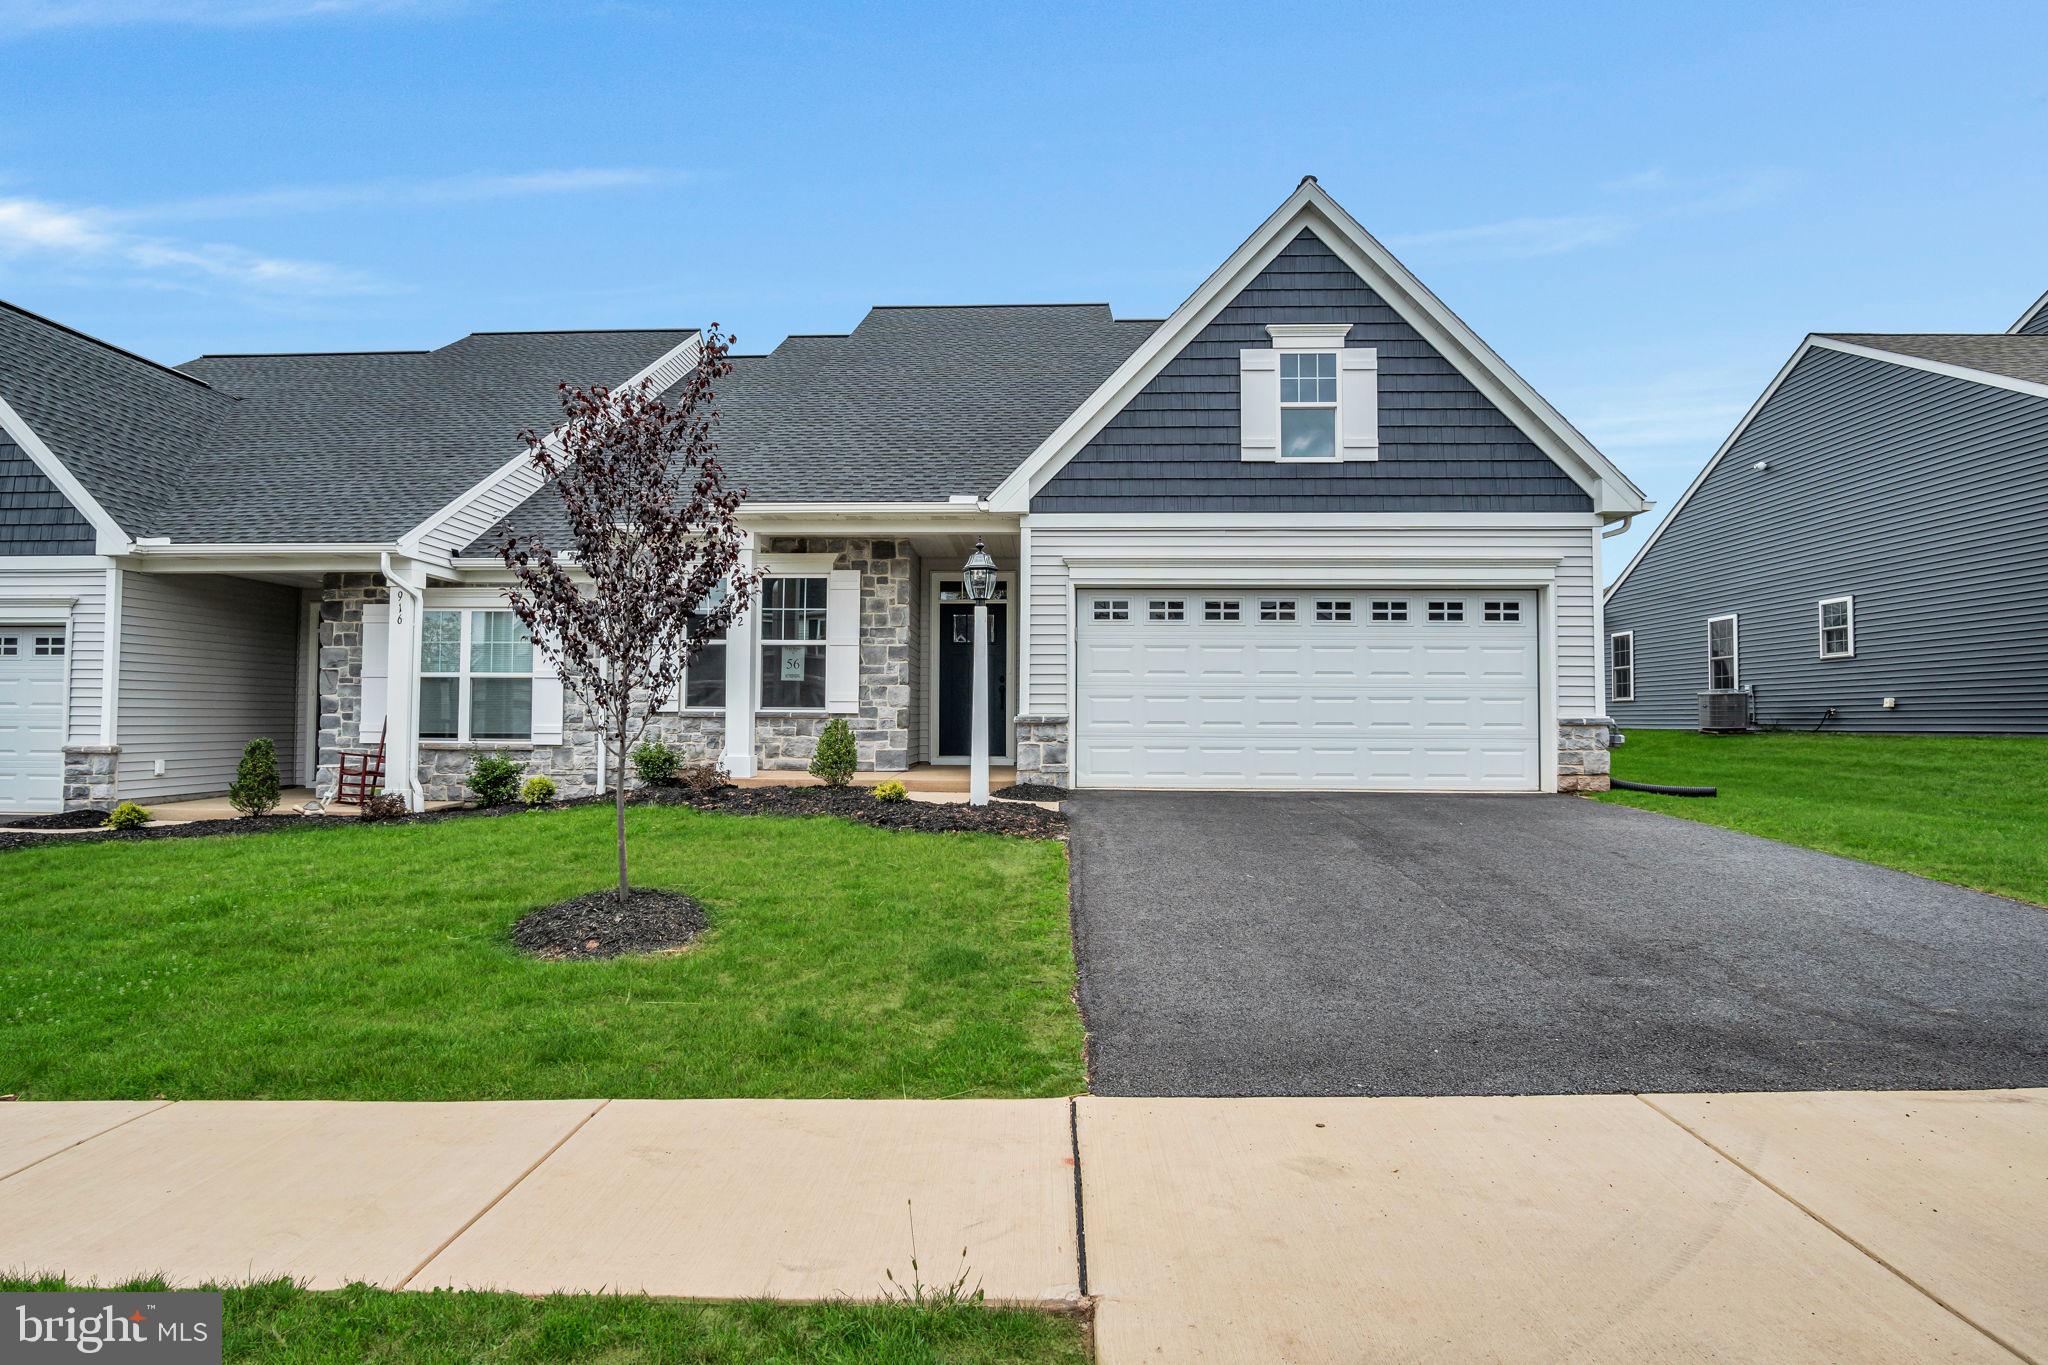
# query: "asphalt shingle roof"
913,405
362,447
2015,357
122,425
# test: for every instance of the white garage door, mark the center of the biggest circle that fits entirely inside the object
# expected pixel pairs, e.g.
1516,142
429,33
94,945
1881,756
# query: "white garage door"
1410,689
31,717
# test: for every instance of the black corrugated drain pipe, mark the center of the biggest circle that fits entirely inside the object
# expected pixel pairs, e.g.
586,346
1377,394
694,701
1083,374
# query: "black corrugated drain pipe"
1662,791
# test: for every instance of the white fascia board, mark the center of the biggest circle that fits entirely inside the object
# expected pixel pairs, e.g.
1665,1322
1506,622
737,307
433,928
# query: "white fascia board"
1313,521
108,536
1713,463
1914,362
664,371
1310,206
2028,316
1812,343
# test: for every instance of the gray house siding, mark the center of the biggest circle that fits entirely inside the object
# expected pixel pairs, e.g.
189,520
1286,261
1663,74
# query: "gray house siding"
207,664
2037,325
1443,447
36,518
1924,497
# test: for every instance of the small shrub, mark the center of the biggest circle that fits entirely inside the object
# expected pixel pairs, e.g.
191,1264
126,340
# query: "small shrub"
256,790
656,763
386,806
700,777
891,790
128,815
837,757
538,791
494,778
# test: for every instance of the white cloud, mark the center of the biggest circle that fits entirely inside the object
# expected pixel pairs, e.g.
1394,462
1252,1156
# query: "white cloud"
1684,414
1645,198
457,189
27,16
31,229
1522,237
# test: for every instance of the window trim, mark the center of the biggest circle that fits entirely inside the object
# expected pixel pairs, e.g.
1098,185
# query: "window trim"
1734,652
1614,692
464,674
761,641
1820,616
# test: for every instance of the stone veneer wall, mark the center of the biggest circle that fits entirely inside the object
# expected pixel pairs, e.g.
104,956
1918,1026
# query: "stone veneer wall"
1042,750
888,608
342,598
1582,754
91,773
783,742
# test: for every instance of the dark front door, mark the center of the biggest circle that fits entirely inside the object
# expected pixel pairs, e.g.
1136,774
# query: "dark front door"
956,678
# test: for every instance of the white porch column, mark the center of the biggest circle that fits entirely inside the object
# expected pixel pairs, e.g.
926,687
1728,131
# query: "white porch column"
407,579
742,654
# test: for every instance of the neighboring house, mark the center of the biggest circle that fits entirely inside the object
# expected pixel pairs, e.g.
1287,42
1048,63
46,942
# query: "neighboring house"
1307,532
1868,549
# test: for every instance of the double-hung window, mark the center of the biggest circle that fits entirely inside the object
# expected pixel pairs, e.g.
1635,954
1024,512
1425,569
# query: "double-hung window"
476,676
703,682
1724,671
1308,405
793,644
1838,628
1621,665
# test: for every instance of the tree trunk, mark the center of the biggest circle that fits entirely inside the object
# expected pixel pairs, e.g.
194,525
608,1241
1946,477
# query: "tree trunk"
619,808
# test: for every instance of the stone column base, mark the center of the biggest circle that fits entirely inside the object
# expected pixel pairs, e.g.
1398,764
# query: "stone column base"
1042,750
91,776
1582,754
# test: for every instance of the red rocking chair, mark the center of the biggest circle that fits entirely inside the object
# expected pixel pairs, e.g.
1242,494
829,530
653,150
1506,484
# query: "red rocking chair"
361,774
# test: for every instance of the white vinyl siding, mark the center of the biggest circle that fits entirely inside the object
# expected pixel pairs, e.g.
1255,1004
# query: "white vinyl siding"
207,664
1578,652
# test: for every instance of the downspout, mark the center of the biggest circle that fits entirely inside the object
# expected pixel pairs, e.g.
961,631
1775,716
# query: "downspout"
415,795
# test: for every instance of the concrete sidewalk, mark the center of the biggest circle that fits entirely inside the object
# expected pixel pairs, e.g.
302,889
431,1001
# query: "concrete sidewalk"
1789,1227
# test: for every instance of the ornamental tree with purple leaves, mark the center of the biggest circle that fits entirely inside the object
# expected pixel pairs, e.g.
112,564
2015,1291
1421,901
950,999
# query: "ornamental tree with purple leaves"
650,570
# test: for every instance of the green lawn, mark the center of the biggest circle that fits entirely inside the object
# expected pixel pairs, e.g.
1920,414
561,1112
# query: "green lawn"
1973,811
281,1324
372,962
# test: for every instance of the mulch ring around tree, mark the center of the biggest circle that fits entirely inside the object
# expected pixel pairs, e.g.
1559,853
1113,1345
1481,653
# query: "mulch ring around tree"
596,926
859,803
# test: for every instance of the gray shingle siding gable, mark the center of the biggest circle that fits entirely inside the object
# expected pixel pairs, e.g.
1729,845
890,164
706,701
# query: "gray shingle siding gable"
2037,325
1443,446
1923,496
35,516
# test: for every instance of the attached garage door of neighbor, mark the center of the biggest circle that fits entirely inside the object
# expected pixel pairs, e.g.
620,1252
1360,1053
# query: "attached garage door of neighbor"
31,717
1398,689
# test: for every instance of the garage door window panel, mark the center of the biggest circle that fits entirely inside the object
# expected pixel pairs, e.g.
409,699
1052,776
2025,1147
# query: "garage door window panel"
1276,609
1448,612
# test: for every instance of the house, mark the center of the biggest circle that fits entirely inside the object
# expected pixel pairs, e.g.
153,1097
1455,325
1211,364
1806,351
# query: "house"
1309,531
1867,551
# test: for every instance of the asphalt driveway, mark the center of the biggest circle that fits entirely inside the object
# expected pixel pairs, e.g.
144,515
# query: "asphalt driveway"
1435,945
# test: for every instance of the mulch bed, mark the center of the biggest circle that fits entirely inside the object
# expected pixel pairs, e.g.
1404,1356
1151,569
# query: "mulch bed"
594,926
1031,791
70,819
858,803
847,803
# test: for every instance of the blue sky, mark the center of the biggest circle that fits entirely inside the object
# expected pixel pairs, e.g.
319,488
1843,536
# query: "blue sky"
1643,207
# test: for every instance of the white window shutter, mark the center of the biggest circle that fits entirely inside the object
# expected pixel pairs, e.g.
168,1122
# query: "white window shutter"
547,699
1258,401
376,670
842,641
1358,402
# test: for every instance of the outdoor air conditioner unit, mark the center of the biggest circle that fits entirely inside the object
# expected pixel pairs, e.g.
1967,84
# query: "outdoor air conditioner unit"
1723,709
